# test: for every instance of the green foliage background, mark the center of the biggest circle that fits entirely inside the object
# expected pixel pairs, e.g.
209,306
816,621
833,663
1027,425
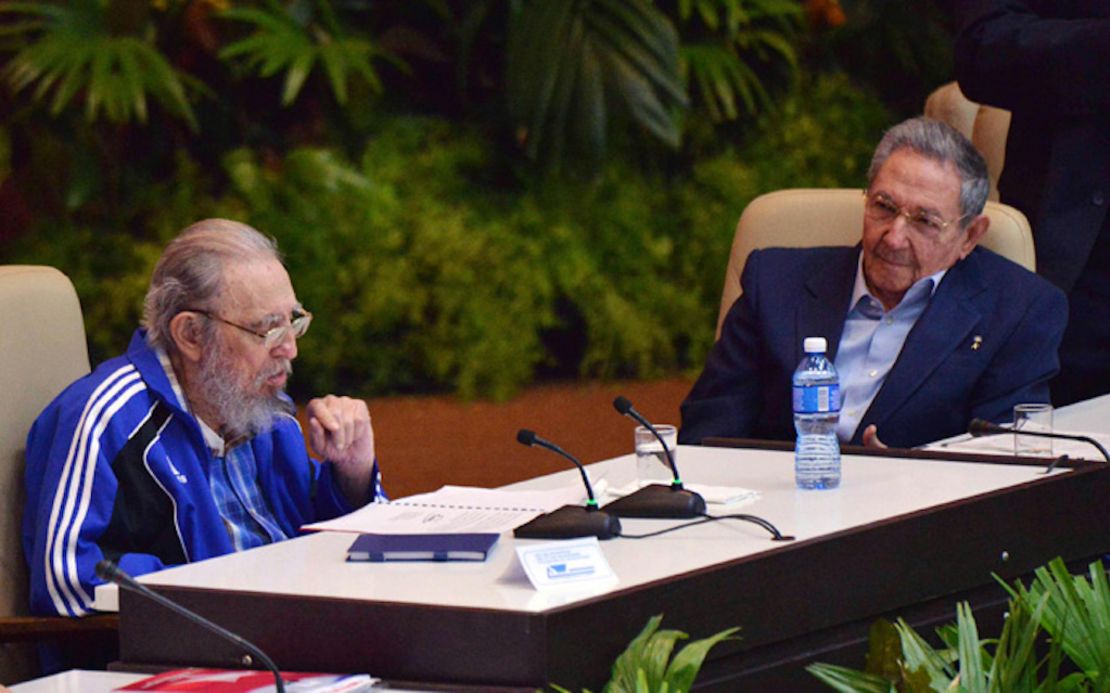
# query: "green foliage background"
431,266
446,239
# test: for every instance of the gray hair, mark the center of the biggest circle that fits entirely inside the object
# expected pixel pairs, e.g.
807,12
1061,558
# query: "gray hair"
192,270
945,145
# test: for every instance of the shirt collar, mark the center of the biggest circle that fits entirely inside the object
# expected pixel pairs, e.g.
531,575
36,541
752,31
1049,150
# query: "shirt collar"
212,439
860,290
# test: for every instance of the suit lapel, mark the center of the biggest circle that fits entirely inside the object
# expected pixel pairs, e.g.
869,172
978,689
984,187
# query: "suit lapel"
822,310
944,325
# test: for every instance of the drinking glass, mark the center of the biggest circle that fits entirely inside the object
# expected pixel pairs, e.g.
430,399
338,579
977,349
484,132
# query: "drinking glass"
1032,417
652,466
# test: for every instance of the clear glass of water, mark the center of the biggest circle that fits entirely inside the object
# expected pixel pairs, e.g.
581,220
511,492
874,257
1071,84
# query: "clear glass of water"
1032,417
652,466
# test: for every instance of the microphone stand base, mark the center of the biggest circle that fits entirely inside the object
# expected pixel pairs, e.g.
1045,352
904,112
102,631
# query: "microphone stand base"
659,501
568,522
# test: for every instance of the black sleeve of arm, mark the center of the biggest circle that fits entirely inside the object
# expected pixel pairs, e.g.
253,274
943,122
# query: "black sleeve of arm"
725,400
1015,55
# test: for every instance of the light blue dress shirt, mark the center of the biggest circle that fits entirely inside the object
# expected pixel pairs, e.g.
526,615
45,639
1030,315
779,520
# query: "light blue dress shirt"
870,344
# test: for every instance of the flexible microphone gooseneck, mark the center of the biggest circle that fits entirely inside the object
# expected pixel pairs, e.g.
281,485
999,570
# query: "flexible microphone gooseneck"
108,570
529,438
656,500
982,427
625,408
570,520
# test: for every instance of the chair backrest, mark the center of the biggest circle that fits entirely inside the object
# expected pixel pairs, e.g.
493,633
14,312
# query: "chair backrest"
834,216
42,349
986,126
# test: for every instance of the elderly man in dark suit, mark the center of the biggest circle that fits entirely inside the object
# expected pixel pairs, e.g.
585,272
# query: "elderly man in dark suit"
927,330
1048,62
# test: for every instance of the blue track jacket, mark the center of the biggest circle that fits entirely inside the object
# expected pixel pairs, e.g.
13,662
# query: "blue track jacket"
117,469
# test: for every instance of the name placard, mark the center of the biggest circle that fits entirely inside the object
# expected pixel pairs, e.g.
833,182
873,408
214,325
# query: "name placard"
571,562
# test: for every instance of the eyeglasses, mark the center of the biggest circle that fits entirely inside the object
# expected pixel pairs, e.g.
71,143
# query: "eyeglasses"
880,207
299,321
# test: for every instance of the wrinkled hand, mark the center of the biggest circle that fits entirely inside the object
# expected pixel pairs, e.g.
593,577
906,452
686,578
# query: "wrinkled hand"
340,432
871,437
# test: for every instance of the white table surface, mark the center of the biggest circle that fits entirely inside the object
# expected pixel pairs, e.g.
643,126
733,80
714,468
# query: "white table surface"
873,488
1089,416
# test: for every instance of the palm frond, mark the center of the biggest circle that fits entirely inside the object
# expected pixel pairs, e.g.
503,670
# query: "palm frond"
921,660
725,68
722,82
850,680
1077,614
567,57
1073,610
280,43
67,54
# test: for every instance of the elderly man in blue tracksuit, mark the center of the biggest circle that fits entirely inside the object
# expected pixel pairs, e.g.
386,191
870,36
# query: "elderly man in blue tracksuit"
186,446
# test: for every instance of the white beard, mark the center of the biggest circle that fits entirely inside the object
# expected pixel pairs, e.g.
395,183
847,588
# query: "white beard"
244,408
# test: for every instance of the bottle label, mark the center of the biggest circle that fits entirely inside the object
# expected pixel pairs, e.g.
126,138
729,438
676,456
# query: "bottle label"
816,399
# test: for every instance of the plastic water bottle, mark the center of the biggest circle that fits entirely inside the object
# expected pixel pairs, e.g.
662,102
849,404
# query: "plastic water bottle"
816,412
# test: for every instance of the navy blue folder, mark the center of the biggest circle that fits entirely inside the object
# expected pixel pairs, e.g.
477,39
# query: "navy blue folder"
421,547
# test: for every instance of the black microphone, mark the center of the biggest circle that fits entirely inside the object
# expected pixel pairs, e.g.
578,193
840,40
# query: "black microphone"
108,571
656,500
529,438
625,408
570,520
982,427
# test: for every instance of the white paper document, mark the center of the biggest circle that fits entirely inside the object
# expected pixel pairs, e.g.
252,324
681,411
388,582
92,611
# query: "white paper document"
453,509
1003,444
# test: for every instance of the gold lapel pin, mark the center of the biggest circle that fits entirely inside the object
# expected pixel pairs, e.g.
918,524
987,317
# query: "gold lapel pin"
976,343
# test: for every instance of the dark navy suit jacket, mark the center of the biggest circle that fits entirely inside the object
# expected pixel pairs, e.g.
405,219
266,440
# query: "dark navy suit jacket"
1048,62
986,341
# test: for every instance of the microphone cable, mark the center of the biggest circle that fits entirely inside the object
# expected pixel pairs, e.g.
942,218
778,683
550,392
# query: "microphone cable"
776,535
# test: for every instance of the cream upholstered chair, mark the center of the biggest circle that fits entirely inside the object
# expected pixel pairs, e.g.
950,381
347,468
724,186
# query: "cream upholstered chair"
986,126
834,216
42,349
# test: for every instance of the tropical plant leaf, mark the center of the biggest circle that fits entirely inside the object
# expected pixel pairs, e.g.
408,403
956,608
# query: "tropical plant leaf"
566,57
281,41
67,52
921,663
627,664
684,668
1077,614
884,650
850,680
721,79
1070,608
973,676
722,67
657,651
646,665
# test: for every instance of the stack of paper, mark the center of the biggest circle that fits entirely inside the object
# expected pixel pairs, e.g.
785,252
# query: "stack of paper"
453,510
1003,444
